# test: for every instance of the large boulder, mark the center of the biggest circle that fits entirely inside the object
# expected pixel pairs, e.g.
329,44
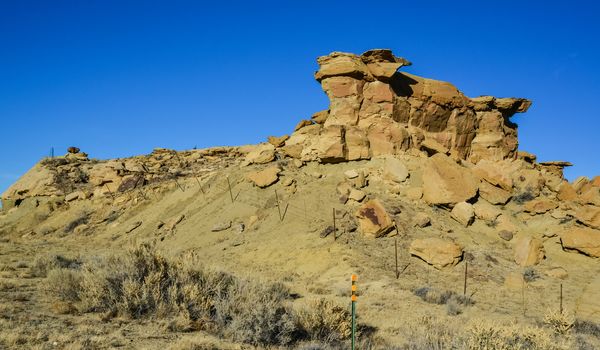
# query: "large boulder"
447,183
528,251
437,252
373,219
582,239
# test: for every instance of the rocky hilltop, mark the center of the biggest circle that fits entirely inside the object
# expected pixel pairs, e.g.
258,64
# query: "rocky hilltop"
376,110
396,156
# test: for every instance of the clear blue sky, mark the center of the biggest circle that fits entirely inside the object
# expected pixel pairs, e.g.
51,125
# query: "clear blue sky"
118,78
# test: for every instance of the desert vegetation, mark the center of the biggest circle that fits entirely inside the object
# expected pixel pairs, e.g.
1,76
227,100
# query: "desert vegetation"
143,284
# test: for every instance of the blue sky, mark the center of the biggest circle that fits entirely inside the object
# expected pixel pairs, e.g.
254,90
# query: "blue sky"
118,78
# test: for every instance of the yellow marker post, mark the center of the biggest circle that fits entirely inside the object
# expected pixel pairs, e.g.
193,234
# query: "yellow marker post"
353,298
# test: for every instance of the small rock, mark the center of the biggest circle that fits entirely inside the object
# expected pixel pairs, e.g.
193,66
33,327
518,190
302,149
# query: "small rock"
172,223
266,177
360,181
485,211
421,220
464,213
557,272
302,124
72,196
505,235
278,141
133,226
504,222
414,193
394,170
288,182
240,228
343,199
351,174
221,226
298,163
356,195
263,153
252,220
80,229
326,232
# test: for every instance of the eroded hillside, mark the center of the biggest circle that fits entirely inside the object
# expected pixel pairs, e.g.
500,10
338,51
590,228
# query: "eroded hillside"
403,180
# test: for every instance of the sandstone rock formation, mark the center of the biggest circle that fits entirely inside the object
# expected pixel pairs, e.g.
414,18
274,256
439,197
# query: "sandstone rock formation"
375,110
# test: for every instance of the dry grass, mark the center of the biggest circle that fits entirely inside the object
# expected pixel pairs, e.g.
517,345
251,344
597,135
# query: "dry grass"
560,323
44,263
144,284
435,334
454,302
324,321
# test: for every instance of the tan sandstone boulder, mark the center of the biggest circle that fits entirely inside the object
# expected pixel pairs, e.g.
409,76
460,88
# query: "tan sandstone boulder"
437,252
494,173
463,213
278,141
589,216
394,170
266,177
493,194
528,251
539,206
261,154
447,183
582,239
373,219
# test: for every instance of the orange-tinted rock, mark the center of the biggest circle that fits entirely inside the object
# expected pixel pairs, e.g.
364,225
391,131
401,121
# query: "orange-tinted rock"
373,219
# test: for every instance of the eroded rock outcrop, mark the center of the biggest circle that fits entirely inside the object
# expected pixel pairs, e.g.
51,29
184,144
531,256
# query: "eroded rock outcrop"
375,110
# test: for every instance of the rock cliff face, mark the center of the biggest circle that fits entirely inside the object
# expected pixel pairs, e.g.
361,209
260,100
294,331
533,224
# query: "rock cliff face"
376,110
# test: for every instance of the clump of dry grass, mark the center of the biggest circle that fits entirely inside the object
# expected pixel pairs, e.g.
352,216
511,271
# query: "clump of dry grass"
324,321
142,283
489,335
560,322
436,334
44,263
454,302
